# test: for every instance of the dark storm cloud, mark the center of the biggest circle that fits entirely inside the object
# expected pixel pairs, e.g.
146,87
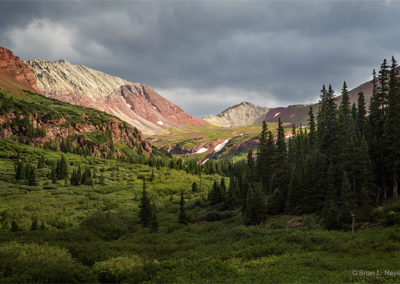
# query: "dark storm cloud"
208,55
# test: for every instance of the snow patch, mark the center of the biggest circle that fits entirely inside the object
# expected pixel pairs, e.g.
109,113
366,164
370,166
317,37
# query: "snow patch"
160,122
220,146
202,150
205,161
276,114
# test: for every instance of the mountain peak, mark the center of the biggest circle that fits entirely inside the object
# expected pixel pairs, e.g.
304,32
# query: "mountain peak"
241,114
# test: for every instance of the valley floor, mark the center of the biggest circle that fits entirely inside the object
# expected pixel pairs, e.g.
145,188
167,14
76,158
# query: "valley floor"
92,234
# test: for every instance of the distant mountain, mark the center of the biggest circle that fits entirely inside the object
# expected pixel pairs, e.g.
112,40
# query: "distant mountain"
248,114
138,104
242,114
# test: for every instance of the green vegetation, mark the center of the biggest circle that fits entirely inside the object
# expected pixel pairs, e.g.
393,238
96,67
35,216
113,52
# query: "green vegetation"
94,233
285,216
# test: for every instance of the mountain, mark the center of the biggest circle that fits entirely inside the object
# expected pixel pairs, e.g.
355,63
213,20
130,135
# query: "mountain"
242,114
138,104
15,75
33,119
245,114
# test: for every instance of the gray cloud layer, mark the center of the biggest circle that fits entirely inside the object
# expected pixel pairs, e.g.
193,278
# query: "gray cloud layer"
208,55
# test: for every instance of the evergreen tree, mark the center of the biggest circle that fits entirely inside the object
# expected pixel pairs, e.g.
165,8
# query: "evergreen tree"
87,177
361,114
255,212
31,176
194,187
347,204
281,167
19,170
376,121
63,170
312,135
34,225
182,216
216,194
145,209
392,130
41,162
14,227
250,160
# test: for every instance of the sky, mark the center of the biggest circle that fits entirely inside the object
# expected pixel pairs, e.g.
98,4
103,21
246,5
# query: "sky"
208,55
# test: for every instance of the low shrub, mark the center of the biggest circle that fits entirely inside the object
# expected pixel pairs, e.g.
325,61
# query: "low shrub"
130,269
40,263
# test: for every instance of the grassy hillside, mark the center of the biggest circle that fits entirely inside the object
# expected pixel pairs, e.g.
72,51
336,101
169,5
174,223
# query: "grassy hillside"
242,139
92,233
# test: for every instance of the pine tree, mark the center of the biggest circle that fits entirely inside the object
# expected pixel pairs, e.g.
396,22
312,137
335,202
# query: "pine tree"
392,130
255,212
53,174
19,170
361,114
63,168
31,176
41,162
145,209
34,225
182,219
250,160
312,135
216,195
87,177
194,187
281,167
347,203
14,227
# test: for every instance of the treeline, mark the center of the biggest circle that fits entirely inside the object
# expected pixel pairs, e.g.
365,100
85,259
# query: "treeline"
343,163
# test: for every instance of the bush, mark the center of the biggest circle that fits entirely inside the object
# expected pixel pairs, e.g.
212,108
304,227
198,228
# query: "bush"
40,263
217,216
392,219
106,225
130,269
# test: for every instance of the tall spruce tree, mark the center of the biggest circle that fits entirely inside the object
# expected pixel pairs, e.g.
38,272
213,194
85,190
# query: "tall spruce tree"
145,209
255,212
182,219
392,130
361,114
31,177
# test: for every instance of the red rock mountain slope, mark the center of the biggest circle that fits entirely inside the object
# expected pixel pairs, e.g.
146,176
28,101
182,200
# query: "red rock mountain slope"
137,104
14,73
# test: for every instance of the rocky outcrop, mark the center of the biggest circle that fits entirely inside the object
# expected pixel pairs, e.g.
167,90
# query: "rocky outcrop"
14,70
242,114
41,132
138,104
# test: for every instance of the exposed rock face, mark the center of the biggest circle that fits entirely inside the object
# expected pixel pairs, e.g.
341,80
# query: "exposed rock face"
136,103
14,70
242,114
56,131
